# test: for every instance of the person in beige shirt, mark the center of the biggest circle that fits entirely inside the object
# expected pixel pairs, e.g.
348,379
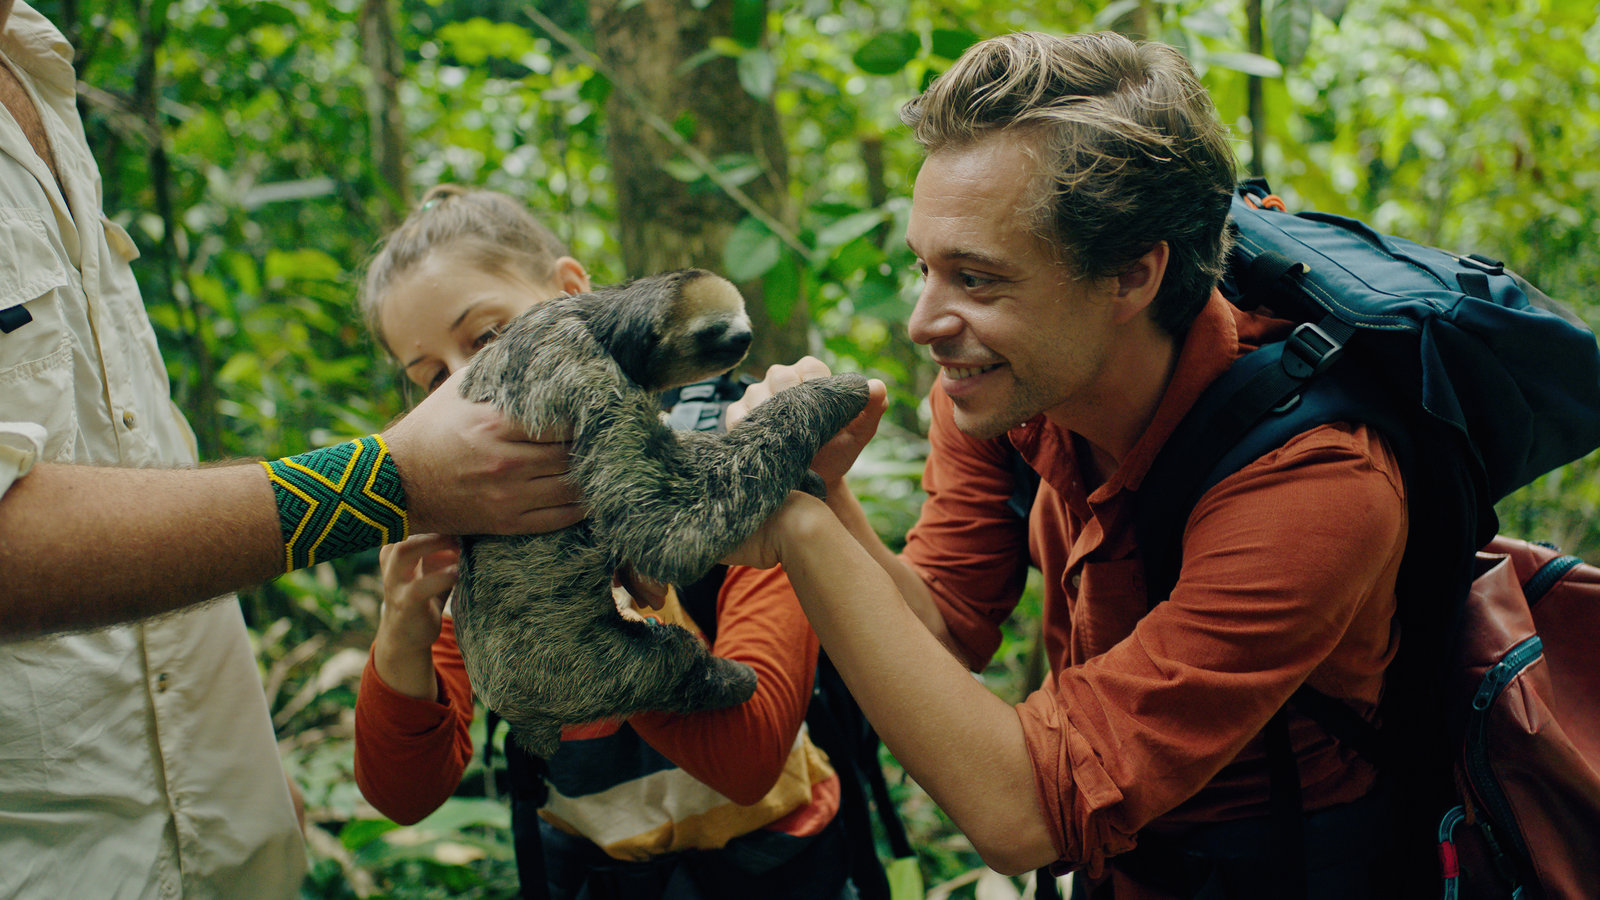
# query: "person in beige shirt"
139,760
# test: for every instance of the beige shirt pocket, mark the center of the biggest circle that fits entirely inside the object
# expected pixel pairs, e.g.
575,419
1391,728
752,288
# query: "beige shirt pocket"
40,391
36,358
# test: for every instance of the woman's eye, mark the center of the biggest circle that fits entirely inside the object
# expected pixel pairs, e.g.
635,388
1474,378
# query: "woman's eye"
438,379
484,339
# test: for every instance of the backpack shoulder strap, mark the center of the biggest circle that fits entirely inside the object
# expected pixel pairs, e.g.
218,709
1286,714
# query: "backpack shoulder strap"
1266,398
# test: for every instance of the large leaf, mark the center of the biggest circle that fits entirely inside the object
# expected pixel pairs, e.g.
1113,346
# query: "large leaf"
848,228
751,250
780,289
1333,9
1112,12
749,21
757,73
1289,23
950,43
887,52
1248,63
879,297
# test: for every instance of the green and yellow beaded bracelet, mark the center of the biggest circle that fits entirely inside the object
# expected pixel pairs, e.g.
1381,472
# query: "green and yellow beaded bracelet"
337,501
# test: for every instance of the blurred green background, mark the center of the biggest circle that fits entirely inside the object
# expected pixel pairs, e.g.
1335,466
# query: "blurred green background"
257,149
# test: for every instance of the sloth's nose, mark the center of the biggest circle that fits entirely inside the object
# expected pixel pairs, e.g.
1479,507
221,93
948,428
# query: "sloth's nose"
726,338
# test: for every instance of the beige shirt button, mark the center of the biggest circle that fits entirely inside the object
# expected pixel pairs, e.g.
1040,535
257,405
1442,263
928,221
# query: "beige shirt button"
161,682
128,418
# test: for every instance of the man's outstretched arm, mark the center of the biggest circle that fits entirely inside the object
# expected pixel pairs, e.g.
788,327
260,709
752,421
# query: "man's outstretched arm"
832,463
963,744
83,546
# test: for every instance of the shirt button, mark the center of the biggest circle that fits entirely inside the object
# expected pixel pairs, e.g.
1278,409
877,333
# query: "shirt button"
1077,580
161,682
128,418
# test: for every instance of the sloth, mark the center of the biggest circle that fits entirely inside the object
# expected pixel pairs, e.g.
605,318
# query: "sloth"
539,630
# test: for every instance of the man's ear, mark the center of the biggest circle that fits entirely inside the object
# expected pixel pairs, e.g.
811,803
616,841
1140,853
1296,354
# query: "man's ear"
1136,286
571,276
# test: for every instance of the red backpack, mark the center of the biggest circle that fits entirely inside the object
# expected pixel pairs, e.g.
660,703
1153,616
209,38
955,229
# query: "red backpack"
1526,701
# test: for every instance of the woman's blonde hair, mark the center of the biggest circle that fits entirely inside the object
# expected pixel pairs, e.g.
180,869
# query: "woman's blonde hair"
491,229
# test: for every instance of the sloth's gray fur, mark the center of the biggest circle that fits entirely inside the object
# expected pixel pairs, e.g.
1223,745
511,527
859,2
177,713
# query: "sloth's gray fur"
539,632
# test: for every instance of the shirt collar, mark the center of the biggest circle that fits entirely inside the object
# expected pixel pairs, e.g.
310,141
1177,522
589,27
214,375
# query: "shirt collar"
33,43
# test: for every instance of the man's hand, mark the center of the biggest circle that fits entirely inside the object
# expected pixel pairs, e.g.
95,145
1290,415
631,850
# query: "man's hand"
839,454
765,548
466,470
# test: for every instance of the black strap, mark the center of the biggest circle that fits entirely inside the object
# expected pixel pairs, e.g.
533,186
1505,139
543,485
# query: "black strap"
1342,723
1286,808
1044,885
1264,399
844,738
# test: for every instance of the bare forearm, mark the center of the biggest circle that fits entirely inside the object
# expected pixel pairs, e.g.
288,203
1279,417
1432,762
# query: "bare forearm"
912,588
406,670
963,744
82,546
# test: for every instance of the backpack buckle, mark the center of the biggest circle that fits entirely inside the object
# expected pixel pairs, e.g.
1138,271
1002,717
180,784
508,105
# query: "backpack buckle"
1309,350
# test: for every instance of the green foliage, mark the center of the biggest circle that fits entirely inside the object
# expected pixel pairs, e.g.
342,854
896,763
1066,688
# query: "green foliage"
1466,125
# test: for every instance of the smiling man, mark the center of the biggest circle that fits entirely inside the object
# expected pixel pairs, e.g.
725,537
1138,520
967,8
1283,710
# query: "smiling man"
1070,222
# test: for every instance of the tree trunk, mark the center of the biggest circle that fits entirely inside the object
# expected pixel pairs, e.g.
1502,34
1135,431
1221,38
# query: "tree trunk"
665,223
1256,107
381,53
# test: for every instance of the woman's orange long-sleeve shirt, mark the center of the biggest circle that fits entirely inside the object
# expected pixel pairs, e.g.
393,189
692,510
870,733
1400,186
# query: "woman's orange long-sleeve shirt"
410,753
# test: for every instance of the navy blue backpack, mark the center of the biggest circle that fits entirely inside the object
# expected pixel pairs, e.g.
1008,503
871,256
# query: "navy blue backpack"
1480,383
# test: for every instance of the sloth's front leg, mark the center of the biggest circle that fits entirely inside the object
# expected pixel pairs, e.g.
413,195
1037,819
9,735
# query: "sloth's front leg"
729,484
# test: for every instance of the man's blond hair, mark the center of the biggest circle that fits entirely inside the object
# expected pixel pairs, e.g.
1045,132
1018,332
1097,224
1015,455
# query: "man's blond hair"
1129,145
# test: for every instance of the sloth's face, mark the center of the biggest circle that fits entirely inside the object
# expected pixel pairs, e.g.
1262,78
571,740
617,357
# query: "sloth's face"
669,330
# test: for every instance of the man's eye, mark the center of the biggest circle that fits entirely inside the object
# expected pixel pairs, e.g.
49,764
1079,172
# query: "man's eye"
970,280
921,268
438,379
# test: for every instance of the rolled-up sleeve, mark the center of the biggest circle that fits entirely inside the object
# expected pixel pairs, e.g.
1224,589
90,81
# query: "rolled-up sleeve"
21,443
969,547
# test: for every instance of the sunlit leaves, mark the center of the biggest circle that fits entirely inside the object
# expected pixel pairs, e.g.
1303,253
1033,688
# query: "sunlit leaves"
477,40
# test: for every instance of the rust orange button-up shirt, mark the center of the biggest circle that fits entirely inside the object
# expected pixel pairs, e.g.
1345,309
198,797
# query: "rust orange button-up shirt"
1151,717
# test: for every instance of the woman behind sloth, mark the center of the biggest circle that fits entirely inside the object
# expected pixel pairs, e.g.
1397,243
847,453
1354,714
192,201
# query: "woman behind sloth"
728,803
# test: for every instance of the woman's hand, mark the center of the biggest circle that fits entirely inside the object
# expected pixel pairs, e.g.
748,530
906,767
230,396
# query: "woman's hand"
839,454
418,575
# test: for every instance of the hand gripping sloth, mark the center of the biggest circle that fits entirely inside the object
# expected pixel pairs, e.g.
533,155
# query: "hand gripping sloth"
543,642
